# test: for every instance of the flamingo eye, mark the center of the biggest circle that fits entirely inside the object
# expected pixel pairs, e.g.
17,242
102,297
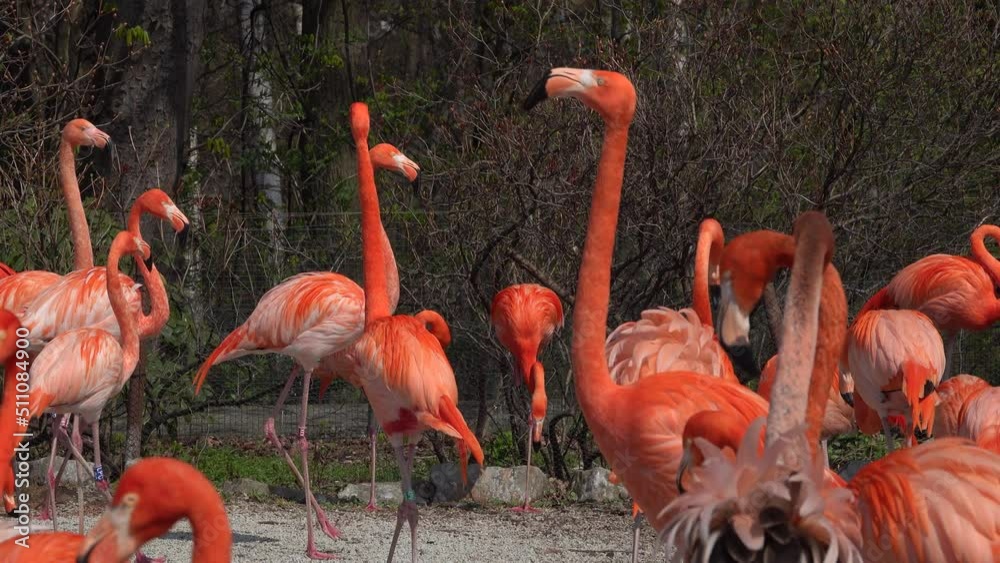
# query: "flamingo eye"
130,499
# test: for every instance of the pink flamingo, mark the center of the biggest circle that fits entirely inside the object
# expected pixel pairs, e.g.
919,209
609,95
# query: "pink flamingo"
525,317
969,408
637,427
344,365
955,292
404,371
81,370
18,289
311,317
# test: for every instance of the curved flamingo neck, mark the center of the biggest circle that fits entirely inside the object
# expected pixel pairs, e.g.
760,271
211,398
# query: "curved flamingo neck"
213,537
706,257
372,233
982,254
391,269
126,322
83,252
590,315
150,325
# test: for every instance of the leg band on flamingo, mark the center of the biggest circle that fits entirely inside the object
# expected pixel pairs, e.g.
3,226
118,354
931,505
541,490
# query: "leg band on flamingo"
302,431
410,496
98,473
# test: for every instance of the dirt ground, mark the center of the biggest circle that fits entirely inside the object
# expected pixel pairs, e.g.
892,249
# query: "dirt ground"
274,533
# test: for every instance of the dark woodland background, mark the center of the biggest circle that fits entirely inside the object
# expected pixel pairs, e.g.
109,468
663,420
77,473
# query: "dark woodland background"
886,117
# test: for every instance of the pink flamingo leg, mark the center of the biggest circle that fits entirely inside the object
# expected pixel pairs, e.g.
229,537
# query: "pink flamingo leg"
49,512
311,550
408,508
329,529
636,526
61,435
526,507
99,480
372,435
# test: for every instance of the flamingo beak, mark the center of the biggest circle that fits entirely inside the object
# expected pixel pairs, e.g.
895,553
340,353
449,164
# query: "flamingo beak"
848,398
113,526
734,332
682,468
538,93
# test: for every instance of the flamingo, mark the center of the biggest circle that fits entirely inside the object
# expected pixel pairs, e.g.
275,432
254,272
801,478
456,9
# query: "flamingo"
775,504
896,358
6,270
955,292
311,317
637,427
666,340
80,299
344,365
969,407
838,416
404,371
152,495
80,370
525,317
18,289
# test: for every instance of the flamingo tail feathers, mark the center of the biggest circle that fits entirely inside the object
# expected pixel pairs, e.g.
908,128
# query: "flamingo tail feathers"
229,344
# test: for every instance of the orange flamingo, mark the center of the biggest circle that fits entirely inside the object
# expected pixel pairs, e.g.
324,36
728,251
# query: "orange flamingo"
969,407
956,292
310,317
151,496
637,427
775,504
6,270
344,365
525,317
665,340
80,299
952,395
18,289
80,370
404,371
896,358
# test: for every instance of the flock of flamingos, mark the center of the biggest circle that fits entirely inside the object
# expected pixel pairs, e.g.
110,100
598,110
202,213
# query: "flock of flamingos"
723,473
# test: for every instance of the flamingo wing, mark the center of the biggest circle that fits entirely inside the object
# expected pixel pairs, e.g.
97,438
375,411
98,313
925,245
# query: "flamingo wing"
77,372
938,501
18,290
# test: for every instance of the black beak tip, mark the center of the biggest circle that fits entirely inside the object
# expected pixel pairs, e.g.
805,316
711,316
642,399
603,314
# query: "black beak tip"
714,296
538,93
848,398
743,359
929,387
149,262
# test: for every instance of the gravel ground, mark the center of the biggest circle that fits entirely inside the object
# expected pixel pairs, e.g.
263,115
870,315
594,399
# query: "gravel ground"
273,532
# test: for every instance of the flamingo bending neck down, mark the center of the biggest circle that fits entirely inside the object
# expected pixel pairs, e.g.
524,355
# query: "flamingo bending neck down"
525,317
637,427
80,370
18,289
404,371
776,504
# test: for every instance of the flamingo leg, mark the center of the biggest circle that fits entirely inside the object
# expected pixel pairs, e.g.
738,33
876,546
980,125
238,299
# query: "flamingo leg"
78,446
311,550
329,529
372,435
408,508
890,444
949,350
61,435
526,507
636,527
50,507
99,480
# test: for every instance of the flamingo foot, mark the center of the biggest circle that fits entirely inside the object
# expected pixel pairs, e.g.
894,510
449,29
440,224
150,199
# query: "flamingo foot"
313,553
102,485
371,506
324,524
141,557
45,514
526,508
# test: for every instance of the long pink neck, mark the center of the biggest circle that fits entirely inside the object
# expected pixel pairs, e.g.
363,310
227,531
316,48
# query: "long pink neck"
372,241
150,325
706,256
391,269
119,304
590,316
83,252
982,254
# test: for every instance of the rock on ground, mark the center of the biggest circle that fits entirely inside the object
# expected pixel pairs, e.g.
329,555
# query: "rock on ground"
505,485
39,467
447,480
244,488
385,493
593,485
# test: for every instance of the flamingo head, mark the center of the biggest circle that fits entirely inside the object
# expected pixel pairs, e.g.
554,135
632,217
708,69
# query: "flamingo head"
158,203
609,93
82,133
388,157
436,325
